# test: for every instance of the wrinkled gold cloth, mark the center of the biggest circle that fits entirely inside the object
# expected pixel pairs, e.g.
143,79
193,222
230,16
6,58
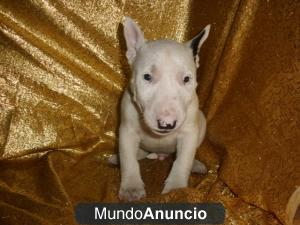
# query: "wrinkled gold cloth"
62,73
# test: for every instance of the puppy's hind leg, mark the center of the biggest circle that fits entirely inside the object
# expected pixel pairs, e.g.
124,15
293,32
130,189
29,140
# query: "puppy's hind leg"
199,167
114,158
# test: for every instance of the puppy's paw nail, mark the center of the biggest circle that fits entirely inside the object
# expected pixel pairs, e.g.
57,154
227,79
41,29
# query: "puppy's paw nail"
113,159
132,193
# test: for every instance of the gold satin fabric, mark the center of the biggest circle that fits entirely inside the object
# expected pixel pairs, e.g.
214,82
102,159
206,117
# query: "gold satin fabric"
63,71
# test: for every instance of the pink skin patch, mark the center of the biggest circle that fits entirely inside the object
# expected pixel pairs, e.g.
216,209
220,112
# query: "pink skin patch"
162,156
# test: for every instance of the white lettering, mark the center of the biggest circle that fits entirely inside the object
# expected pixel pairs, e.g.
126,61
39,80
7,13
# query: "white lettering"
130,211
180,214
169,214
97,213
188,212
202,214
122,214
111,215
148,213
136,214
159,214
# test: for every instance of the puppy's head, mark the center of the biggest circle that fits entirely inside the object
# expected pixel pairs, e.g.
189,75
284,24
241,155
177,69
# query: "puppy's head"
163,78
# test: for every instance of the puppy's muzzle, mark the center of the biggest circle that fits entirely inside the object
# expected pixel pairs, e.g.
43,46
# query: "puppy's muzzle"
165,127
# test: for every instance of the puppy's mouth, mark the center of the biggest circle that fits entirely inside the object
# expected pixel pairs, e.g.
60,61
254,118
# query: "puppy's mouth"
162,132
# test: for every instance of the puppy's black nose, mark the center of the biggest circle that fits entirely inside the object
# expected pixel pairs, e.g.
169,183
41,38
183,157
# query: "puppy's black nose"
166,126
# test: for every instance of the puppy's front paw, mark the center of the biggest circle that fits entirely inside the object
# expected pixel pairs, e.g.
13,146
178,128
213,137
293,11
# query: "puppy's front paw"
132,192
172,184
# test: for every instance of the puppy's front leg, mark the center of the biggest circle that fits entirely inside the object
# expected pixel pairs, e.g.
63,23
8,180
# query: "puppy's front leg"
186,148
132,186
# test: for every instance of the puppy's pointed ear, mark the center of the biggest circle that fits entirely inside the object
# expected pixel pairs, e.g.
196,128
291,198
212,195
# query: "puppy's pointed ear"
196,43
134,38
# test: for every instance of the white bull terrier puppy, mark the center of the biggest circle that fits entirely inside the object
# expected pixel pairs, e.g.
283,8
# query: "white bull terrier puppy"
159,110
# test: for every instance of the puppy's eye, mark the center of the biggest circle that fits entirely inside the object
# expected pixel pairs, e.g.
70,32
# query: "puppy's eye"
147,77
186,79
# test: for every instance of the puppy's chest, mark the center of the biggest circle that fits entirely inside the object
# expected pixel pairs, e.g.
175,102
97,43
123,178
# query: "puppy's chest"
166,144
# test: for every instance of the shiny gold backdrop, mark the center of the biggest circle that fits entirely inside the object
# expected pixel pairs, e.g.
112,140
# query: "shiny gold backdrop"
62,73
